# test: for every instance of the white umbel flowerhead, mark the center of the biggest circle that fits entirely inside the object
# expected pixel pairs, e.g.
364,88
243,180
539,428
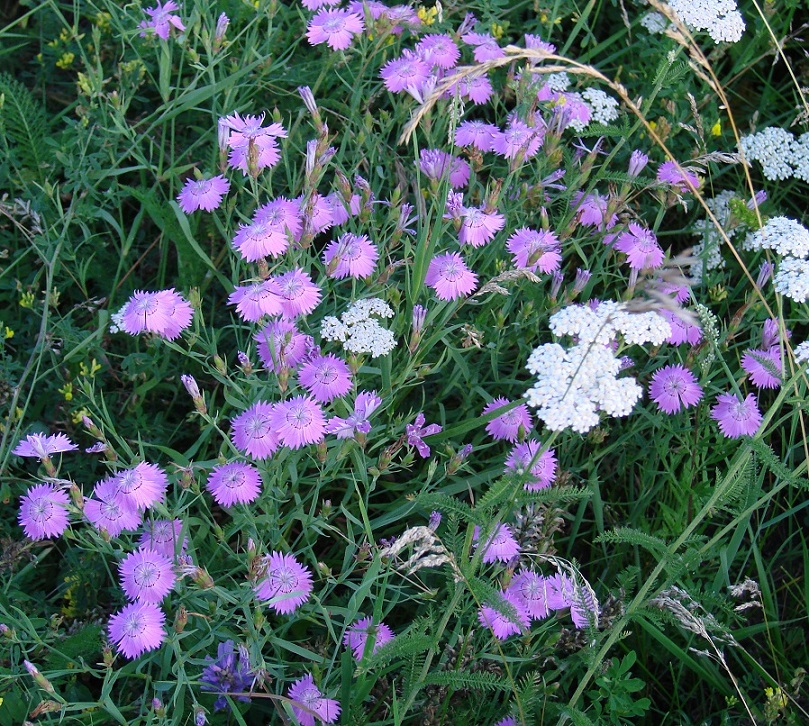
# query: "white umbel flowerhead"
774,148
359,329
782,235
792,279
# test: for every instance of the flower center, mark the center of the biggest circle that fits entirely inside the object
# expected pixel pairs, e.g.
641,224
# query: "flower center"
299,417
146,574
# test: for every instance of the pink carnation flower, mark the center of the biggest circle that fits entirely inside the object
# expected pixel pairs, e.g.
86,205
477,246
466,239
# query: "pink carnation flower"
138,627
592,210
674,388
260,239
164,313
350,255
505,625
346,428
507,425
163,535
161,20
358,633
500,545
449,276
436,164
109,511
416,432
478,134
243,133
311,704
252,431
142,486
765,367
478,227
256,300
542,470
485,46
406,71
234,483
668,173
299,295
326,377
640,247
529,588
286,583
518,139
335,28
736,418
682,331
146,575
281,214
534,250
42,446
438,50
316,4
43,512
478,89
280,345
205,194
298,421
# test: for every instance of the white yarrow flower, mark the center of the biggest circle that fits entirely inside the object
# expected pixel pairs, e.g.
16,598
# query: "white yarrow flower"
782,235
792,279
359,330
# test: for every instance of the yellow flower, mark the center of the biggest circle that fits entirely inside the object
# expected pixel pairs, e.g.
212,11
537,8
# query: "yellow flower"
89,372
716,129
67,391
66,60
77,416
427,15
27,299
497,31
7,333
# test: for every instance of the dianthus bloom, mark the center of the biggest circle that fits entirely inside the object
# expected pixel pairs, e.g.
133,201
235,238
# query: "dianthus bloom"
109,511
736,418
256,300
674,388
43,512
764,366
682,331
530,588
477,134
138,627
165,313
234,483
226,675
146,576
280,345
358,633
286,583
161,20
306,694
163,535
518,139
350,255
336,28
364,405
253,433
542,470
485,46
668,173
507,425
205,194
298,421
417,430
253,146
142,486
436,163
438,50
408,71
299,295
326,377
503,625
449,276
260,239
42,446
640,247
500,545
535,250
479,227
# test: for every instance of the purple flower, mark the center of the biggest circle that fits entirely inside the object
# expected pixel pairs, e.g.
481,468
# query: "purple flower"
298,421
283,215
592,210
406,71
138,627
478,134
161,20
668,173
449,276
437,164
518,139
253,146
286,583
507,425
640,247
350,255
542,470
227,675
326,377
535,250
43,512
736,418
438,50
205,194
563,593
252,431
529,588
234,483
346,428
637,162
163,536
358,633
165,313
682,331
764,366
299,295
416,431
674,388
256,300
142,486
477,89
259,239
311,704
42,446
146,575
109,511
280,345
501,544
315,4
485,45
503,625
336,28
478,227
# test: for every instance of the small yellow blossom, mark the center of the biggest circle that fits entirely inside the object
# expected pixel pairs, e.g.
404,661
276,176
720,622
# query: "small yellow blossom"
27,299
66,60
67,391
64,35
89,372
7,332
716,129
102,21
427,15
497,31
78,416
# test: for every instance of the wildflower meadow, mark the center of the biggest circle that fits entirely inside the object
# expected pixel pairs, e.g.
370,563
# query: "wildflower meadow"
367,363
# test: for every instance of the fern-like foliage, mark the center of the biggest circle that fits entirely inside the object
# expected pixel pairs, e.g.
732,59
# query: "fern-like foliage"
636,538
447,505
474,681
773,463
24,123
